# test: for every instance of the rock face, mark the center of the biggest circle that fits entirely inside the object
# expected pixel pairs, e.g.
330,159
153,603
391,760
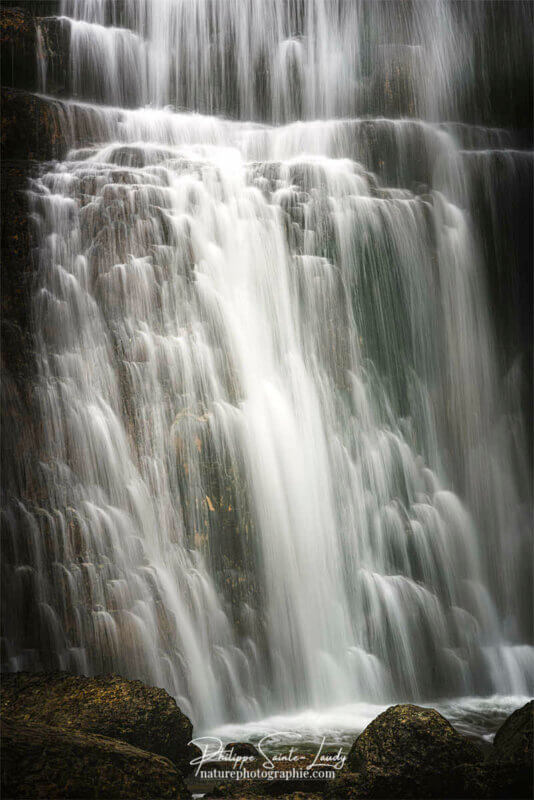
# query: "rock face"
408,751
40,761
514,739
109,706
17,267
31,46
31,127
18,45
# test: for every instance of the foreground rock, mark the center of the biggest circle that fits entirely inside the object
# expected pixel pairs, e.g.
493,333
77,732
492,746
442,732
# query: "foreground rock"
247,759
40,761
142,716
257,790
508,772
491,780
514,739
244,749
409,751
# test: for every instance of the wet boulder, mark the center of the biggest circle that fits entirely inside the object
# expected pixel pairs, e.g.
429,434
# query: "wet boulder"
243,749
108,705
409,751
514,739
508,771
41,761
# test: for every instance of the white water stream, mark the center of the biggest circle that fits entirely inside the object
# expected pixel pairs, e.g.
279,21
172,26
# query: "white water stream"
278,467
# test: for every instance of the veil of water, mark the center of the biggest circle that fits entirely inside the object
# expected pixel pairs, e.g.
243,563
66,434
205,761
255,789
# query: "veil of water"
278,466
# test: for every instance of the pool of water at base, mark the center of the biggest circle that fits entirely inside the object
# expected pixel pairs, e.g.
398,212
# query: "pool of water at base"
476,717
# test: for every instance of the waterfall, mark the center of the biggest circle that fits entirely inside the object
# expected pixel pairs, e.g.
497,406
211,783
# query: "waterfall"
278,464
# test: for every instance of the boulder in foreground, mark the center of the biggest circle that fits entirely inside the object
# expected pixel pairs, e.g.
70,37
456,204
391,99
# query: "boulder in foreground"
39,761
409,751
492,781
107,705
514,741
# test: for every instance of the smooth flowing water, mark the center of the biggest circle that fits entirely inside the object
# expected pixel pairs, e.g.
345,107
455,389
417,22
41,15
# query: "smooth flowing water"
279,467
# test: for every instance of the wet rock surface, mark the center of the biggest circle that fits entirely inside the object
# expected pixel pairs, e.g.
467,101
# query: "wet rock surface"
18,266
407,735
514,741
243,749
70,736
110,706
41,761
31,46
31,127
18,47
409,751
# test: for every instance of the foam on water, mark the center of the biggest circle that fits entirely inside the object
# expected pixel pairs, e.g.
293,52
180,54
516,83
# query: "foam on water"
476,717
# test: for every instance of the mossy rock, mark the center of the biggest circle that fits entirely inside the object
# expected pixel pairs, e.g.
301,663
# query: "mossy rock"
514,739
108,705
491,780
409,751
40,761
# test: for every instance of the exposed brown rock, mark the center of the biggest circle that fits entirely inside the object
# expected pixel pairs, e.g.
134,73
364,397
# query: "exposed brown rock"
108,705
41,761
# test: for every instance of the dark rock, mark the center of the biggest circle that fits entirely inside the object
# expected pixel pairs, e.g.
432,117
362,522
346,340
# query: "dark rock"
409,751
19,433
281,789
40,761
31,127
32,47
514,739
17,266
18,48
348,786
108,705
490,780
55,36
243,749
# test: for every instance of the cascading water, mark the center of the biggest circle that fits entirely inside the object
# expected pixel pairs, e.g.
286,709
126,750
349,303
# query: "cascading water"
277,468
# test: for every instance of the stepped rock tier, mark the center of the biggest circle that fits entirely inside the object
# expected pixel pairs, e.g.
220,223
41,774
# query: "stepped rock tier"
267,335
